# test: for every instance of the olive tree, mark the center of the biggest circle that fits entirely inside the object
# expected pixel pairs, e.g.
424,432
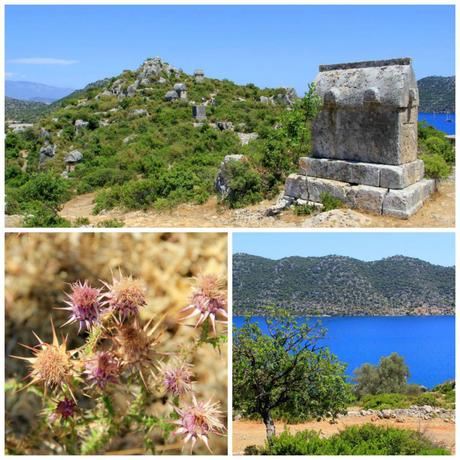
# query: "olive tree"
286,369
389,376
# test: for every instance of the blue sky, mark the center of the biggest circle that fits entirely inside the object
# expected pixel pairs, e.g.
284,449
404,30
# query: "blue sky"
273,46
437,248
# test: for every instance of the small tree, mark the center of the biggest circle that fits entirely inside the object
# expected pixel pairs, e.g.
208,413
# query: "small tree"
286,369
389,376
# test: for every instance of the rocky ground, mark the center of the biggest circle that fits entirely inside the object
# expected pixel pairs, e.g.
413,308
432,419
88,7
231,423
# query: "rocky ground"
437,424
438,211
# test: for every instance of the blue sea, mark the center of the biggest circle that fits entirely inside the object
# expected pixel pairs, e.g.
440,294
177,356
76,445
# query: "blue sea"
426,342
443,121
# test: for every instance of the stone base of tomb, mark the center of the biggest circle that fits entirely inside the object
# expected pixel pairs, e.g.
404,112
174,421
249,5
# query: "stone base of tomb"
397,202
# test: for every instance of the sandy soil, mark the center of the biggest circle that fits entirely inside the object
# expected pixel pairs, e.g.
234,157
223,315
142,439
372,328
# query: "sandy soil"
438,211
247,433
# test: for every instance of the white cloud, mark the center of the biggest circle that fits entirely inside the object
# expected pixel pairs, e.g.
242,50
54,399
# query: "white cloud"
10,74
42,61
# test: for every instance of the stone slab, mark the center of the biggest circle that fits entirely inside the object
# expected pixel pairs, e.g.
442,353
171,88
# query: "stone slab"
296,186
398,203
399,177
367,198
403,203
360,173
316,187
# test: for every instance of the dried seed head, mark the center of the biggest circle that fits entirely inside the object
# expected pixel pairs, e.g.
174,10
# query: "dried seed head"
208,300
52,364
176,376
101,369
125,296
198,421
136,346
84,304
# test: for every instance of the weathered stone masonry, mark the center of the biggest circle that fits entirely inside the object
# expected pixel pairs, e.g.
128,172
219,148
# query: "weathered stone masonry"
365,140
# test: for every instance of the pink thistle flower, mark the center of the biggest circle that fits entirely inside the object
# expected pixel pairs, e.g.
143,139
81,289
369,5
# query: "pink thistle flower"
125,296
176,376
208,301
66,408
101,369
198,421
85,305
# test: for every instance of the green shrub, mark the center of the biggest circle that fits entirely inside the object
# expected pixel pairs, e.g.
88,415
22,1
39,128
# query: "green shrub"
111,223
330,202
47,188
386,401
439,146
435,166
38,214
245,184
304,209
363,440
81,221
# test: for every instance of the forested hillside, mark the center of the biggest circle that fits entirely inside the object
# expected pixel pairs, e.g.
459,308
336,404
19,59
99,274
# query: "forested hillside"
336,285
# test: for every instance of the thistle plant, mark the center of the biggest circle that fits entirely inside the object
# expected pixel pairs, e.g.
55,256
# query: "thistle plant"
114,382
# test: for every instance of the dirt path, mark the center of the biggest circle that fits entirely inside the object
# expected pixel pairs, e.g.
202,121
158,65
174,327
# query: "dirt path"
247,433
438,211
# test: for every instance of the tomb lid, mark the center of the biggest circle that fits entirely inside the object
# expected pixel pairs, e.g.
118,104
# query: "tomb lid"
389,83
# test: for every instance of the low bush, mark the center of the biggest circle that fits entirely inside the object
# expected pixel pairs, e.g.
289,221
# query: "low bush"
304,209
330,202
435,166
363,440
404,401
38,214
245,184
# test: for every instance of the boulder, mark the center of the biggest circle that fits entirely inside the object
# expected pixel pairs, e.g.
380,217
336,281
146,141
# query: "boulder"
171,95
75,156
80,124
225,125
47,151
131,91
180,87
139,112
245,138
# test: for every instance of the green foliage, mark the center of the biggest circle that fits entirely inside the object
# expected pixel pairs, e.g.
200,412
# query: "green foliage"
81,221
330,202
111,223
160,160
363,440
285,370
389,376
435,166
304,209
436,151
39,214
245,184
341,286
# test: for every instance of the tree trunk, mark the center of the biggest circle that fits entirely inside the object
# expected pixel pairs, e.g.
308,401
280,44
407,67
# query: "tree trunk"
269,426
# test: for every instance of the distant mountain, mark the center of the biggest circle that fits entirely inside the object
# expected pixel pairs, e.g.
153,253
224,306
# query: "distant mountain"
25,111
342,286
437,94
38,92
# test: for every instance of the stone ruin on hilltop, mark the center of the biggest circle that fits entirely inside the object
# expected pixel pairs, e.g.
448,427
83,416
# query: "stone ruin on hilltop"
364,148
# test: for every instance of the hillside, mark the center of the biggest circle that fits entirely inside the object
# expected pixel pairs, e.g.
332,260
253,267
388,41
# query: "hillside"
437,94
139,142
32,91
24,111
342,286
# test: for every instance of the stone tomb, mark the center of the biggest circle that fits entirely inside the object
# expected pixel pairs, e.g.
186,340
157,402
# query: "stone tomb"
364,148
